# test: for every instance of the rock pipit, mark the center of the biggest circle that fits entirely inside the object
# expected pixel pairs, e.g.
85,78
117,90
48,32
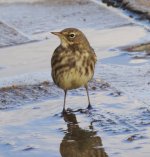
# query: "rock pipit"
73,61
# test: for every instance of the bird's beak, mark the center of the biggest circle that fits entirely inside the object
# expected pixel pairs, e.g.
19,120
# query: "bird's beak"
56,33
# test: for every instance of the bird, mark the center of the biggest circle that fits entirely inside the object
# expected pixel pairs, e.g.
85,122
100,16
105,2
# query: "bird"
73,62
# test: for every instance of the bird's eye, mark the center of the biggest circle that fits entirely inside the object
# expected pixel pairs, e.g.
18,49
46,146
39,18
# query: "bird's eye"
71,35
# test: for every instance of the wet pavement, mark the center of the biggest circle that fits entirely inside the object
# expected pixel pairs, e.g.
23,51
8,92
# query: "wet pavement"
31,122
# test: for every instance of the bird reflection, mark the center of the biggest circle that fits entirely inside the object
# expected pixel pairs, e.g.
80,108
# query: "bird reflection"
79,142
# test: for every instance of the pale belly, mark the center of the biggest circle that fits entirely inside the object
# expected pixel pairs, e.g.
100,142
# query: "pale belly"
73,79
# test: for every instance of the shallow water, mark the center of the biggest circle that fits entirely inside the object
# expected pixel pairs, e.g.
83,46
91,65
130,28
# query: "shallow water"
31,123
128,58
107,129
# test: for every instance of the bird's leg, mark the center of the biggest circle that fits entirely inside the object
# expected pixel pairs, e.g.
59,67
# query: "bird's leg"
89,105
64,111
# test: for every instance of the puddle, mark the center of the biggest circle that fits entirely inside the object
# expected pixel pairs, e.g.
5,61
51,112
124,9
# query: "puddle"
42,133
143,48
132,55
120,114
14,96
139,53
79,141
127,59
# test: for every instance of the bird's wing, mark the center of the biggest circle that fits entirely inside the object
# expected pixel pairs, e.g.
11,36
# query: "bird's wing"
94,54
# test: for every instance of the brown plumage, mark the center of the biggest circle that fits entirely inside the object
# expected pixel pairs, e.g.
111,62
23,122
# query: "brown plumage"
73,61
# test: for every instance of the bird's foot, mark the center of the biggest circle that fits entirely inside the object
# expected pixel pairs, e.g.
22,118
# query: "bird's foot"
68,110
89,107
63,111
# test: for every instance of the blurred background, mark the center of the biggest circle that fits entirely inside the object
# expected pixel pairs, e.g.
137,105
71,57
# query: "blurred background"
31,123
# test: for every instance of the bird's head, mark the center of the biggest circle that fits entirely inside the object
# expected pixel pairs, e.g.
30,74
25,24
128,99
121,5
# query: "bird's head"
72,36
